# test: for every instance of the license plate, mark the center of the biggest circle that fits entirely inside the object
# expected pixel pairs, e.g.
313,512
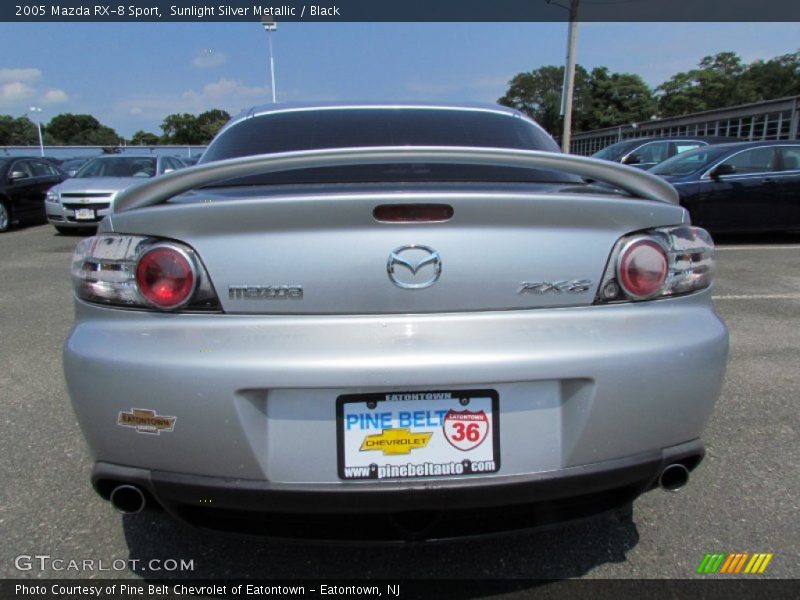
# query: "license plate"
402,435
84,214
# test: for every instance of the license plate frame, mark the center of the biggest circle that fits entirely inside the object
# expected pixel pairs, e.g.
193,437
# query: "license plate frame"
441,416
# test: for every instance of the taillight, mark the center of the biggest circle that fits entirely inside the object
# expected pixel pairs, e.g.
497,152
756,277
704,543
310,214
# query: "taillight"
166,277
642,268
666,261
141,272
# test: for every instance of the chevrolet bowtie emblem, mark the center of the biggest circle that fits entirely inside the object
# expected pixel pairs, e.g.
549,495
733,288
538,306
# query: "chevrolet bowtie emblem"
396,441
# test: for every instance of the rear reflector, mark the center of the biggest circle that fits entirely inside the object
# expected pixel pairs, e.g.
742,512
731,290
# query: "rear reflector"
412,213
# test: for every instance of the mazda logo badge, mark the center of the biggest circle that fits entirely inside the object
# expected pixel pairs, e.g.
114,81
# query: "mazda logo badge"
414,267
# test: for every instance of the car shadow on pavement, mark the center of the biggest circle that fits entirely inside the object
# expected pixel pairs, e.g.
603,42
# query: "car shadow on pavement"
566,551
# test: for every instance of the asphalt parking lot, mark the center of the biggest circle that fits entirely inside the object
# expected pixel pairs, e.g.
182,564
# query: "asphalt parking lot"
745,497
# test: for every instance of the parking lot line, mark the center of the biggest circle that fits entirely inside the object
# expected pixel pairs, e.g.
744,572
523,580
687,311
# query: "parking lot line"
757,297
780,247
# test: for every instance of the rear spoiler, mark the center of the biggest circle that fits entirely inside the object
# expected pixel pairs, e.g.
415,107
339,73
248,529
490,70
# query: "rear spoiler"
636,182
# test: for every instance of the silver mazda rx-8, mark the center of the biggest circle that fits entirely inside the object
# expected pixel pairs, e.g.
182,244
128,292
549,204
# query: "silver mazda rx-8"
392,322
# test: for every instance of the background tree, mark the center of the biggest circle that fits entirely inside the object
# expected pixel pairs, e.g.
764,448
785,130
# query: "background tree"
719,81
618,98
775,78
19,131
538,94
211,121
144,138
193,130
601,99
605,99
181,129
80,130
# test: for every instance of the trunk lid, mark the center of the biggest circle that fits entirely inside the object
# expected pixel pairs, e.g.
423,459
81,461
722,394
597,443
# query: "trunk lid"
309,252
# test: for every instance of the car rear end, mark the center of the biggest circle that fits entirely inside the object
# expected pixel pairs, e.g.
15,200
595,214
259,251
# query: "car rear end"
388,362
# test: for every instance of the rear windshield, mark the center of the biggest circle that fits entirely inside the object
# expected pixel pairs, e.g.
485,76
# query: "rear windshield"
352,128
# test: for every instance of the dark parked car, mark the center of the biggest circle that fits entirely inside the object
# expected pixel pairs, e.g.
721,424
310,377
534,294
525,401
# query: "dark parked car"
24,181
647,152
742,187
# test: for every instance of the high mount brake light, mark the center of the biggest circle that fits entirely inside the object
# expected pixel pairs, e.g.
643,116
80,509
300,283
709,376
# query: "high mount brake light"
657,263
141,272
412,213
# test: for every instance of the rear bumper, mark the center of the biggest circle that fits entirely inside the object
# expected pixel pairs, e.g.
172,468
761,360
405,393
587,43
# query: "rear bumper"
593,403
254,397
388,512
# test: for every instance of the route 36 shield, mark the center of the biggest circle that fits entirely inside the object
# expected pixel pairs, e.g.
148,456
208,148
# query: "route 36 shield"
465,429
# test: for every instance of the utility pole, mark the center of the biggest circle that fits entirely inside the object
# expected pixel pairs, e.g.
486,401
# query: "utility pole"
36,109
569,76
270,26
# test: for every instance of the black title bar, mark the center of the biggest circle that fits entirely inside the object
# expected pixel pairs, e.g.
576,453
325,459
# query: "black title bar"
459,589
69,11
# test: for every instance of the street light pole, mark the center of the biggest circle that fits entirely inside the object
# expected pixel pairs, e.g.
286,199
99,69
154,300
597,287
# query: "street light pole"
270,26
36,109
569,76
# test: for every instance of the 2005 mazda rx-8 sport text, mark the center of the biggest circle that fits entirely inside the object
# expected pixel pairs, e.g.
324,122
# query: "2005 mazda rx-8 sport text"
383,322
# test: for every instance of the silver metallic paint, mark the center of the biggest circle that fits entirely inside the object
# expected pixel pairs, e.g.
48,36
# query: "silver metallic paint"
330,244
255,395
255,389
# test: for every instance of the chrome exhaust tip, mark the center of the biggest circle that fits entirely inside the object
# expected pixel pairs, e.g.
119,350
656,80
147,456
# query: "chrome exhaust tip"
673,477
128,499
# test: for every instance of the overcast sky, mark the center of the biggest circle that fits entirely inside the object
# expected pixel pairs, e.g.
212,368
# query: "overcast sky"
131,75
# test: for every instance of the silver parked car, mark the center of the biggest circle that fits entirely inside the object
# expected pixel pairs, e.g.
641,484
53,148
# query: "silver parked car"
84,199
392,322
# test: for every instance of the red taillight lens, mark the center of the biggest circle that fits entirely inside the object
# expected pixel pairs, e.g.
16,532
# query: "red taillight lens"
642,268
166,277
